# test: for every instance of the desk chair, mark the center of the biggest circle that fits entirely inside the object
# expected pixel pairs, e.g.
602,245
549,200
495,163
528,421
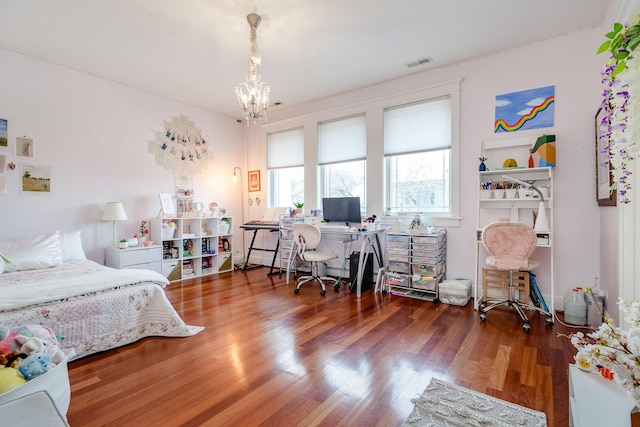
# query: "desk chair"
510,244
306,238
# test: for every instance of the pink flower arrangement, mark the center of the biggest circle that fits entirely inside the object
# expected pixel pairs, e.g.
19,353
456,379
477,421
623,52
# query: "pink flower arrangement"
143,228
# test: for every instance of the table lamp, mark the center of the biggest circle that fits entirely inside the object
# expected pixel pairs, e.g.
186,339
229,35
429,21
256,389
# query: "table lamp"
114,211
542,222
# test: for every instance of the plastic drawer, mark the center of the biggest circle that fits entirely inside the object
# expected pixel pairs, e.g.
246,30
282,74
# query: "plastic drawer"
399,267
396,279
427,269
427,283
398,251
396,238
429,240
426,247
398,258
418,259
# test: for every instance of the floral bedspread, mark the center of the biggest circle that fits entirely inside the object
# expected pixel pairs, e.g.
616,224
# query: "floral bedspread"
96,320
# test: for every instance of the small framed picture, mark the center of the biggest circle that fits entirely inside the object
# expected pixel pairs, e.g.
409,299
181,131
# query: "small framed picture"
35,179
254,180
3,163
166,204
24,147
4,135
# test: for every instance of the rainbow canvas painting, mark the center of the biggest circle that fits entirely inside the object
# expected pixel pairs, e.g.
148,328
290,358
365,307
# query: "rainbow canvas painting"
528,109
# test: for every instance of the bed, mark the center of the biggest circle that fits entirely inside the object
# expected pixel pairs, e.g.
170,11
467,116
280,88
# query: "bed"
93,307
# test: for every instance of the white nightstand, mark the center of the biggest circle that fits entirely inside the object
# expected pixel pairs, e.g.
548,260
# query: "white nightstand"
147,257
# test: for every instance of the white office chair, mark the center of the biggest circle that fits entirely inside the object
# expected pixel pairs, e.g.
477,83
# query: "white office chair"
306,238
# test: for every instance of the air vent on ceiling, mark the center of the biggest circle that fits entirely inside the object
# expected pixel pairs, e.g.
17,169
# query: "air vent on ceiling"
420,62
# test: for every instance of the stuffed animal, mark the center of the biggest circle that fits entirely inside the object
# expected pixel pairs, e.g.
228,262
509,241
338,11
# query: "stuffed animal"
38,345
34,365
10,378
8,343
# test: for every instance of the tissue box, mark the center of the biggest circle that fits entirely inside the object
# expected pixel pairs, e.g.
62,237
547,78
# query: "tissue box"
455,292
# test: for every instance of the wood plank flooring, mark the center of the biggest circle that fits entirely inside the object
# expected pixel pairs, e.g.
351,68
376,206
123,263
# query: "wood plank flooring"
269,357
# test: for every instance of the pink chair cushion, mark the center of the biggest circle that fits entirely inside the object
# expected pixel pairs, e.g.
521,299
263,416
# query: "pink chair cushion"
509,245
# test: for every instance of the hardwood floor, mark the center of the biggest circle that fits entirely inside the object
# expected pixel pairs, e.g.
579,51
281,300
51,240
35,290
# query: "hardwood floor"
269,357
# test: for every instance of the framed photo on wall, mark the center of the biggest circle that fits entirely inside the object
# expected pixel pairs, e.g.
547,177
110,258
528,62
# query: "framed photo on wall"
254,180
604,170
24,147
35,179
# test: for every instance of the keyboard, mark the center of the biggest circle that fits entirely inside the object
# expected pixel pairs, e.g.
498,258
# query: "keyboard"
339,228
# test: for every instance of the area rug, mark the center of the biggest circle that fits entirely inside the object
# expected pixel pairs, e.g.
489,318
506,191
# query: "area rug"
444,404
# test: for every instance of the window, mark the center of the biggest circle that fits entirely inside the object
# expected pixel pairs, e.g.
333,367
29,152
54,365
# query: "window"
285,168
342,158
417,150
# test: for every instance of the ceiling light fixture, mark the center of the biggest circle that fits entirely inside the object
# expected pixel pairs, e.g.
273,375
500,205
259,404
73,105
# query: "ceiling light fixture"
253,94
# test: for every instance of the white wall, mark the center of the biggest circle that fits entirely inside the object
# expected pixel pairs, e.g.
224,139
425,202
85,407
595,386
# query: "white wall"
93,133
570,64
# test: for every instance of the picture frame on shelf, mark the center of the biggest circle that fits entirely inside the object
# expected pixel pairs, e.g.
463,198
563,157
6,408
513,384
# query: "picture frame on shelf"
167,207
604,170
254,180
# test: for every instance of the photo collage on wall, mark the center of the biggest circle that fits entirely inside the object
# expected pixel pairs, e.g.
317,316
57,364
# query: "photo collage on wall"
32,178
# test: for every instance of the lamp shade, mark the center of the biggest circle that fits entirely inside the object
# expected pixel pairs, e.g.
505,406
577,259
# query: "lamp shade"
114,211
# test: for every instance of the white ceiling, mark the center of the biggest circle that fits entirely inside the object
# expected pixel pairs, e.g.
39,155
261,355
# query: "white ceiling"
196,51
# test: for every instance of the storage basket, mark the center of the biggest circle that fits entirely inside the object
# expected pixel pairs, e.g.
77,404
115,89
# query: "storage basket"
455,292
167,233
55,383
223,228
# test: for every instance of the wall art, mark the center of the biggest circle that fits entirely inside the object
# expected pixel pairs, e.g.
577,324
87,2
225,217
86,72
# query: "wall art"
3,163
180,147
4,133
24,147
254,180
35,179
528,109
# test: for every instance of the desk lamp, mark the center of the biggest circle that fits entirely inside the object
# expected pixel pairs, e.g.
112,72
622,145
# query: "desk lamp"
114,211
542,223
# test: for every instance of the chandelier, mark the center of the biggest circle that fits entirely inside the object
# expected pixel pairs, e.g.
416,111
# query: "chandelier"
253,94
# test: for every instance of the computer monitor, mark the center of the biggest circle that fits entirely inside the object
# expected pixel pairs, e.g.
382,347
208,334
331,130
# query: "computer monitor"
342,210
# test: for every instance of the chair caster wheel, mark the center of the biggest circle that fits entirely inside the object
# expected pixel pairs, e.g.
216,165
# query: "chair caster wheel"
323,293
526,328
297,291
336,287
483,317
548,321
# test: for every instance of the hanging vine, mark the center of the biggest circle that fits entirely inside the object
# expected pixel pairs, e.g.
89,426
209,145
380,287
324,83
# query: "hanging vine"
619,125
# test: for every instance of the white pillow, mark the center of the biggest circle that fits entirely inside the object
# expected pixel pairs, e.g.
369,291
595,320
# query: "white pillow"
72,247
32,253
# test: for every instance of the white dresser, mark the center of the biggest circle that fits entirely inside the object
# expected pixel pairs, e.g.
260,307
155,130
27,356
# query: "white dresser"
146,257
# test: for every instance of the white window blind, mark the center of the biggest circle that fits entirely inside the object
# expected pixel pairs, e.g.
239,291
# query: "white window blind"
342,140
417,127
285,149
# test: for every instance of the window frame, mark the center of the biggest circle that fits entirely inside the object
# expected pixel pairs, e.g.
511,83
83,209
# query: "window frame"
375,180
